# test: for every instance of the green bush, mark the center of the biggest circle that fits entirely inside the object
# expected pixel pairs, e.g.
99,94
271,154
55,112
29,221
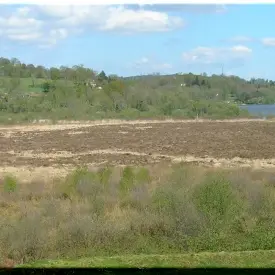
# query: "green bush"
127,180
10,184
217,200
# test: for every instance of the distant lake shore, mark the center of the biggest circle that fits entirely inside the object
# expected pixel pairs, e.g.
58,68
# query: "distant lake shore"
259,109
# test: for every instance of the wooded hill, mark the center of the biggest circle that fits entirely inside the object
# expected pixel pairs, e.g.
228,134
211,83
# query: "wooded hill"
78,92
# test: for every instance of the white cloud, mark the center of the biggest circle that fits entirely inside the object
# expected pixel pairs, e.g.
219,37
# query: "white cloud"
59,33
207,55
269,41
19,21
49,24
139,21
53,37
24,36
241,49
56,11
109,18
18,26
24,11
142,61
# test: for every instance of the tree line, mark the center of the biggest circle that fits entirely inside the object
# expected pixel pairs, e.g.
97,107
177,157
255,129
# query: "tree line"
78,91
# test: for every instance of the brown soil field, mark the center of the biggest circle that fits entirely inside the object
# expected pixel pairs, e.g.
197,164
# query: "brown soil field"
34,149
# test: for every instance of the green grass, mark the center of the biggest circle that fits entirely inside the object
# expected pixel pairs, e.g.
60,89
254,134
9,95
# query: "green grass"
245,259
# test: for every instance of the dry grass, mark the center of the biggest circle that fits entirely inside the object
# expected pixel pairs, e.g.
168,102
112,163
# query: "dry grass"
45,124
211,143
158,211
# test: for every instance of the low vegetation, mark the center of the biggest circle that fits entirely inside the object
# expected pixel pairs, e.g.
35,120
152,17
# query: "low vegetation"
180,209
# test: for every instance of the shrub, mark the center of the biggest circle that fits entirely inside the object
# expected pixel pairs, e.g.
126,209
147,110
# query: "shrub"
9,184
127,180
190,209
216,199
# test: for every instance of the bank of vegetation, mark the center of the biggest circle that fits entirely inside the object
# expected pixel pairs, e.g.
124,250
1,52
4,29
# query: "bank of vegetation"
29,92
182,209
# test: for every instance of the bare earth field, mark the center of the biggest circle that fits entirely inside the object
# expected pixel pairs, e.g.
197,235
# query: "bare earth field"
37,149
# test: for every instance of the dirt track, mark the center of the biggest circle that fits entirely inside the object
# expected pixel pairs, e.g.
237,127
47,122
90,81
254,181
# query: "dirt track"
215,143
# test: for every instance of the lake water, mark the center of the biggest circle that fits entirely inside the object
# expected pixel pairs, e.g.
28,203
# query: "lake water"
262,110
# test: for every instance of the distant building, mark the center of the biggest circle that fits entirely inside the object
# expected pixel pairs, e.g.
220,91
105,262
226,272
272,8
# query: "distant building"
92,84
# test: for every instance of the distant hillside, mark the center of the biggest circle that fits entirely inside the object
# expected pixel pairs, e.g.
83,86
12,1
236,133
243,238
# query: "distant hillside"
227,88
79,92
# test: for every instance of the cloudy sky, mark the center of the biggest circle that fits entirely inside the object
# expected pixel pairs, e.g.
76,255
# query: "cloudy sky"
131,39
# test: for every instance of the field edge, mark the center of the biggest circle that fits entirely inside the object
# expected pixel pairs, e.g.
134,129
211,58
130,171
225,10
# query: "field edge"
121,121
242,259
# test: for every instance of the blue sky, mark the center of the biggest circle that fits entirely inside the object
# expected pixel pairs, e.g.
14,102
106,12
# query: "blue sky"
131,39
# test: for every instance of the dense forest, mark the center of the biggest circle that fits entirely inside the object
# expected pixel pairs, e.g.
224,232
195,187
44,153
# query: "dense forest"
31,92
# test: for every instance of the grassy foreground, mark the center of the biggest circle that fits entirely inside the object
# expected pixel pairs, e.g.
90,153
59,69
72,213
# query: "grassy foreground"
245,259
181,212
